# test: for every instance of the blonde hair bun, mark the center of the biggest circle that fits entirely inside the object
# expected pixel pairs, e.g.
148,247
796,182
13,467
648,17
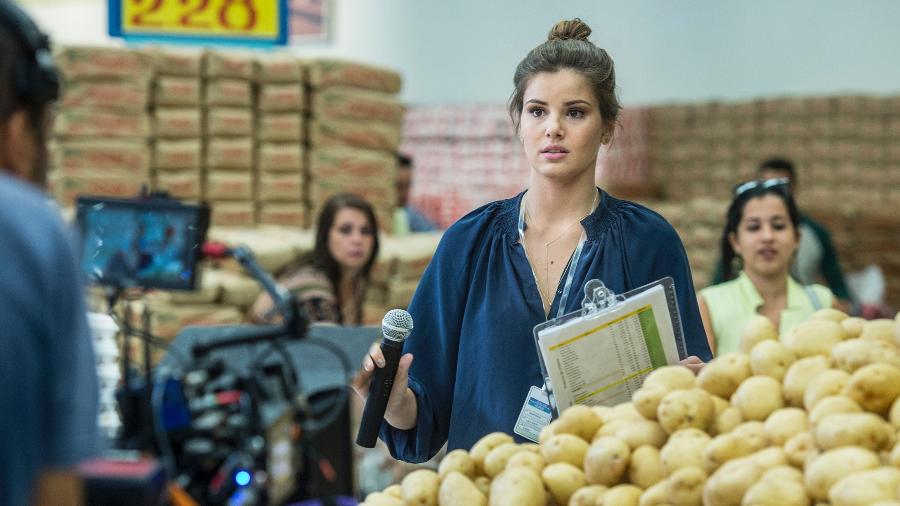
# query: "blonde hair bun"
574,29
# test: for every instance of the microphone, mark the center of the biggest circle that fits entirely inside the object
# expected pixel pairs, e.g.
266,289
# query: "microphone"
396,326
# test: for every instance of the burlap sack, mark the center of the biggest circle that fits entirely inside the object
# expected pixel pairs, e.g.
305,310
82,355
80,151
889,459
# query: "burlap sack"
229,121
360,134
328,72
180,154
75,156
281,157
229,185
344,102
229,153
176,122
93,62
126,95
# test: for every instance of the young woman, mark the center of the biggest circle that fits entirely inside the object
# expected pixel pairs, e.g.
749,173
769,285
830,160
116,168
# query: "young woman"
761,234
511,264
331,281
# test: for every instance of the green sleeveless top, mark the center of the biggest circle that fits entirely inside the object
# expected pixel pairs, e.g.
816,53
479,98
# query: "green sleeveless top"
733,303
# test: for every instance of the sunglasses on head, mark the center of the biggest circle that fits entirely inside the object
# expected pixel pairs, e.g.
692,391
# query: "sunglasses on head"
761,184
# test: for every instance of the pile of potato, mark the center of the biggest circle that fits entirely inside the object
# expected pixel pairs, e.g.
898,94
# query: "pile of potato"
810,418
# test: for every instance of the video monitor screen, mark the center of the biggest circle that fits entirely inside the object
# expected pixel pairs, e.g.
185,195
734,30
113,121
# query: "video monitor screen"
152,243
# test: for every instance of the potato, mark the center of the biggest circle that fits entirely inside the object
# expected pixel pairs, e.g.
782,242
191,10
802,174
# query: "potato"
784,423
771,358
624,411
684,448
799,375
758,397
830,382
725,447
395,490
829,313
641,432
685,486
458,490
894,413
799,448
657,495
814,337
496,460
646,400
770,457
579,420
420,487
865,488
531,447
757,330
518,486
727,420
785,472
457,460
853,326
587,496
893,458
723,375
831,405
831,466
606,461
726,487
611,428
382,499
548,431
484,446
562,480
531,460
621,495
875,387
878,330
645,467
673,377
564,448
854,429
680,409
776,492
853,354
484,485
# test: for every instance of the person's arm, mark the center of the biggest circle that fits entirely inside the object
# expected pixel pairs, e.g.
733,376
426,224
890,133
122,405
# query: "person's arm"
707,323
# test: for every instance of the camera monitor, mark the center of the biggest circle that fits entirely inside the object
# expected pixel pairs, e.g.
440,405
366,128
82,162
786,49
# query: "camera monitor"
148,243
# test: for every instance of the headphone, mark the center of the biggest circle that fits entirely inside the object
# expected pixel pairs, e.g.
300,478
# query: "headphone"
36,81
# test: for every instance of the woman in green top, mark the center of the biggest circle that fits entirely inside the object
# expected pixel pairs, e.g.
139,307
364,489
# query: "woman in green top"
761,234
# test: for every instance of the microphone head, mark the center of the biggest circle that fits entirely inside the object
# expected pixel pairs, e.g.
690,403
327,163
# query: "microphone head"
396,325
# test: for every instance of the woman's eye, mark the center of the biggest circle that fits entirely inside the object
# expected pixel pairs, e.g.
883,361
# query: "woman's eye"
752,227
366,231
345,229
536,112
576,113
779,226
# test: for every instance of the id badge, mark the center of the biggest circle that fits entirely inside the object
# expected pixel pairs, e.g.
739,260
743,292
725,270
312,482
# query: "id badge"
535,415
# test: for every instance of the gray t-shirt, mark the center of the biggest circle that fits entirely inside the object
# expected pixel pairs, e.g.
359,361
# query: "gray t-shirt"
48,379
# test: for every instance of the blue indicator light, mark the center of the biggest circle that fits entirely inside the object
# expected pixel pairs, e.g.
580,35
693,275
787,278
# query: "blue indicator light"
242,478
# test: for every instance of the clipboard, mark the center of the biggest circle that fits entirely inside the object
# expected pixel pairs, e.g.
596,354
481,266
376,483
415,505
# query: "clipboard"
600,354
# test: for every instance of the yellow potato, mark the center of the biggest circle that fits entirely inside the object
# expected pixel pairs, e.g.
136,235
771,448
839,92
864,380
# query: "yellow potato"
484,446
757,330
726,487
518,486
456,489
484,485
828,468
624,411
564,448
725,447
776,492
641,432
875,387
814,337
771,358
646,400
621,495
785,472
457,460
534,461
673,377
685,486
723,375
894,457
830,382
853,326
754,432
645,467
831,405
579,420
606,461
382,499
611,428
587,496
894,414
395,490
680,409
865,488
548,431
684,448
420,487
799,448
758,397
799,375
770,457
878,330
562,480
829,313
727,420
853,354
784,423
496,460
657,495
854,429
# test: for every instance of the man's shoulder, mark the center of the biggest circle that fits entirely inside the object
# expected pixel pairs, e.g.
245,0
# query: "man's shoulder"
23,205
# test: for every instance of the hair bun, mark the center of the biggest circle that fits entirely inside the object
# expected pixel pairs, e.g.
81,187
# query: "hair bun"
570,29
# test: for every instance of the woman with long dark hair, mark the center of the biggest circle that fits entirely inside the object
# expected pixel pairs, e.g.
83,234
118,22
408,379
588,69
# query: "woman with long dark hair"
331,281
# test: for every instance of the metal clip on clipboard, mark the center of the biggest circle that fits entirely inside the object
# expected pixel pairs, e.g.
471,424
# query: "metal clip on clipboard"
600,308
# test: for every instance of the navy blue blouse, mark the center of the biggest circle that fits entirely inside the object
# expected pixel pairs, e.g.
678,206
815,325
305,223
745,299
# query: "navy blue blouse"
477,304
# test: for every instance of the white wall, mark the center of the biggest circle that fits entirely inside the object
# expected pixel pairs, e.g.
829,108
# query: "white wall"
465,51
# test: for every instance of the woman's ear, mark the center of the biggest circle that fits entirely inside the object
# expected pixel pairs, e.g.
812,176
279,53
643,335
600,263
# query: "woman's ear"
732,239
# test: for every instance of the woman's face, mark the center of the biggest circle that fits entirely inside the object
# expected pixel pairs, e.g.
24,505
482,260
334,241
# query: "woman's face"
765,238
351,238
561,125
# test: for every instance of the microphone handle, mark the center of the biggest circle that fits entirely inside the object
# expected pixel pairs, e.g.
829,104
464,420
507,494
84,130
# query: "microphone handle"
379,392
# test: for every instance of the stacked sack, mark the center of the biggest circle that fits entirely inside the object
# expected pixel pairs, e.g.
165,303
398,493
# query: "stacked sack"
100,136
810,417
353,134
395,276
228,137
280,106
177,126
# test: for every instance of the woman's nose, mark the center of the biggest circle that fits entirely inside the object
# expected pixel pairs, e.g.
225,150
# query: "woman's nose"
554,128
